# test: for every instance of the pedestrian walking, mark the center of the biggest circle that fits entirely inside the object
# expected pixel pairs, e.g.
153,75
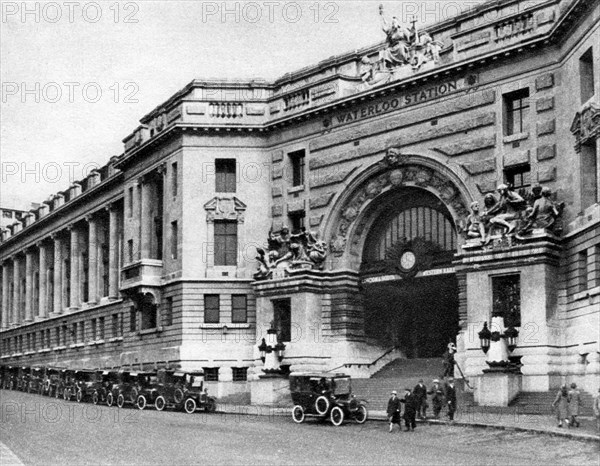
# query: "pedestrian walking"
574,404
393,411
597,409
437,398
448,360
420,393
410,410
451,398
561,405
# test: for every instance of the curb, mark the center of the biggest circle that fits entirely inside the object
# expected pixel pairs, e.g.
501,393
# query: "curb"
263,410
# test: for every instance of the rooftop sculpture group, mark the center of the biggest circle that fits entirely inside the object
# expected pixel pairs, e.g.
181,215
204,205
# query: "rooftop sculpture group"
288,250
407,51
512,213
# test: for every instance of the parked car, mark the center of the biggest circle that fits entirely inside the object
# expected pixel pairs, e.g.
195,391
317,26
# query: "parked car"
67,386
23,378
86,382
9,379
326,396
107,380
52,381
36,380
149,389
126,390
183,390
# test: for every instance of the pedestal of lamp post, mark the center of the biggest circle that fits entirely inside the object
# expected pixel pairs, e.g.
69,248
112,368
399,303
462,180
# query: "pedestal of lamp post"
497,387
270,389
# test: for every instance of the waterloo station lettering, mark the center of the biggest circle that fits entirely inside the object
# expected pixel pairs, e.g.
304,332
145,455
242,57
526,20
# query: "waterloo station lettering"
394,103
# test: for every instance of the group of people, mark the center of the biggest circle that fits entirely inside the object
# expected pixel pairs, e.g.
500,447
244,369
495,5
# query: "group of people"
415,403
568,405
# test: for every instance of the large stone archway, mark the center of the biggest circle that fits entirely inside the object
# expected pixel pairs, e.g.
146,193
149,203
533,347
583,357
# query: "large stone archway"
356,209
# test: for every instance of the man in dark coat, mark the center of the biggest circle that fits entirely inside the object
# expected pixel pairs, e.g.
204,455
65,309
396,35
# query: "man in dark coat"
451,398
437,398
393,411
410,410
420,393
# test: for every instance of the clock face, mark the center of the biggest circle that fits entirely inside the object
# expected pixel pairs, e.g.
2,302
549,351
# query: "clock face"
408,260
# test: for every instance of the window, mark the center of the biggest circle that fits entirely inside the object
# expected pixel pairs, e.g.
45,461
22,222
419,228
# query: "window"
240,374
225,175
74,332
586,75
82,331
297,162
506,299
130,250
225,243
85,283
115,326
65,331
589,174
211,309
148,314
239,312
104,251
581,266
94,330
67,282
282,317
168,316
516,109
211,374
132,319
130,203
101,326
174,177
297,221
518,176
174,240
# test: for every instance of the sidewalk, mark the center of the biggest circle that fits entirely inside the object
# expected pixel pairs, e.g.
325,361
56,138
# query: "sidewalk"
471,417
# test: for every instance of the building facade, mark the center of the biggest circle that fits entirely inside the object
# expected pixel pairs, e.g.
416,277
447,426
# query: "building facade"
176,252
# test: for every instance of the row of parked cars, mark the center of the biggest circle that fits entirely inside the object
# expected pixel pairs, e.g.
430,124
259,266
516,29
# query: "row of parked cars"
165,388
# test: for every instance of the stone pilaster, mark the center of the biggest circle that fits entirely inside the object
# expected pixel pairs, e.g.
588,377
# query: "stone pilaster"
5,292
58,276
43,271
145,220
93,260
28,285
74,297
113,251
16,317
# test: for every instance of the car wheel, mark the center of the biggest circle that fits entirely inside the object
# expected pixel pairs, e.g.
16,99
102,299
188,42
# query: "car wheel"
321,405
178,395
95,398
336,416
141,402
361,414
110,399
120,400
298,414
189,405
160,403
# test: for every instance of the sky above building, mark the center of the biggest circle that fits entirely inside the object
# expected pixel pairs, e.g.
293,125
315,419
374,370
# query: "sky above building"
78,76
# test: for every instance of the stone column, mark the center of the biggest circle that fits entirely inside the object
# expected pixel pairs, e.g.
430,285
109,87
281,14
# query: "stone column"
5,300
113,253
16,318
43,298
28,285
93,260
145,220
74,257
58,276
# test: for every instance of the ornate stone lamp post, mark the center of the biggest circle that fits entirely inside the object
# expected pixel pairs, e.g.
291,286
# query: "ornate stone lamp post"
269,386
271,352
500,383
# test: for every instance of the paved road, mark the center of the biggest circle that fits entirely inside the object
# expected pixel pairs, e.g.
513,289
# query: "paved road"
45,431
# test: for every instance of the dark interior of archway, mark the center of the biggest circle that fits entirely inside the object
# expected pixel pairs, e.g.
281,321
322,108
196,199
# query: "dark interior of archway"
418,315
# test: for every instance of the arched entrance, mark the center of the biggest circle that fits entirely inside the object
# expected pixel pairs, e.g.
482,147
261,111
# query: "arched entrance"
409,286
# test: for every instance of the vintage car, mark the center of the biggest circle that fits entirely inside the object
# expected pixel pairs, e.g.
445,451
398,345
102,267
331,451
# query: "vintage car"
107,380
52,381
326,396
67,387
23,374
126,389
149,389
36,380
183,390
86,382
9,380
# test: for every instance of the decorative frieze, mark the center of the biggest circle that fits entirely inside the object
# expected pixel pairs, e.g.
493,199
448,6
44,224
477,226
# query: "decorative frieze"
586,124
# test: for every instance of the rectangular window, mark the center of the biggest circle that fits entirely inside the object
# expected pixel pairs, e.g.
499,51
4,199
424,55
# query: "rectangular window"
94,334
174,177
174,239
82,331
518,176
239,312
130,203
506,299
589,174
65,332
582,276
516,110
85,283
240,374
586,75
101,326
211,374
132,319
211,309
297,221
225,175
104,251
168,317
115,326
225,243
74,332
297,160
67,283
130,250
282,318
